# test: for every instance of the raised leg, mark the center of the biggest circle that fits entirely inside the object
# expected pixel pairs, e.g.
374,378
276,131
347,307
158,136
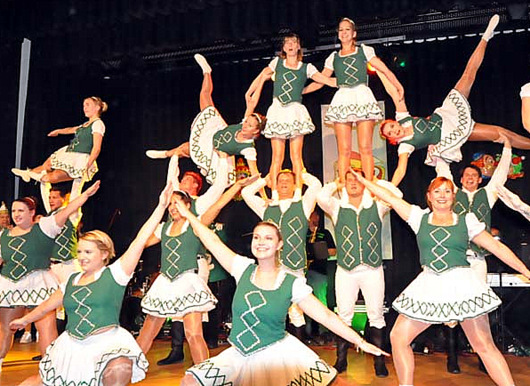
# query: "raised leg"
485,132
205,96
465,83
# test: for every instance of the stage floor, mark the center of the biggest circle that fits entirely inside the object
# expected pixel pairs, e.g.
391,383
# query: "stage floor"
430,369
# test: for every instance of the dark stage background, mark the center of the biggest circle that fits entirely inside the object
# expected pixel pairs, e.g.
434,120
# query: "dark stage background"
137,55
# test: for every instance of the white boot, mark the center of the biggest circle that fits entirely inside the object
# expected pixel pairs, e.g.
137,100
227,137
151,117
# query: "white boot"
24,174
201,61
156,154
490,30
26,337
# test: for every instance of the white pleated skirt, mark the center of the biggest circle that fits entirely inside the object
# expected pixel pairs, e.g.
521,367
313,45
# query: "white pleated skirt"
73,362
286,362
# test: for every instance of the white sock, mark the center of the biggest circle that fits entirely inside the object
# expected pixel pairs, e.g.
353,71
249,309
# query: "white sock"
156,154
490,30
201,61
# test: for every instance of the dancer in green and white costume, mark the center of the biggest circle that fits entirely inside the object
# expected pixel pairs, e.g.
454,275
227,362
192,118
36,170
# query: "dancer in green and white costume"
357,219
287,117
25,277
262,353
354,103
77,161
291,211
178,292
210,133
94,349
450,126
447,290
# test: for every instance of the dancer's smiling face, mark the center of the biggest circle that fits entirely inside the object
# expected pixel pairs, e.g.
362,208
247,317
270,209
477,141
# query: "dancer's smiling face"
470,179
90,257
393,131
440,195
266,241
346,32
250,127
22,215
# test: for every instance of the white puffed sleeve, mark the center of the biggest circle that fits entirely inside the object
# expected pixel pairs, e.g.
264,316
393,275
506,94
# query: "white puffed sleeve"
329,61
300,289
415,216
474,226
239,264
369,52
98,127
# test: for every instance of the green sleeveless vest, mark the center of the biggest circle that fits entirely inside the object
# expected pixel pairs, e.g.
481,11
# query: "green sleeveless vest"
94,306
26,253
179,253
480,207
358,238
443,247
293,226
427,131
65,244
350,70
258,316
225,140
83,140
289,83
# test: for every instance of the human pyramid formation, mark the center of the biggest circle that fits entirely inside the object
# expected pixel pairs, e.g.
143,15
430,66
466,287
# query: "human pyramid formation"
94,349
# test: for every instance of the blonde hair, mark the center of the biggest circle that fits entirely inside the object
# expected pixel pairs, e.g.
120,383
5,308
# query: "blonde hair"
103,242
103,106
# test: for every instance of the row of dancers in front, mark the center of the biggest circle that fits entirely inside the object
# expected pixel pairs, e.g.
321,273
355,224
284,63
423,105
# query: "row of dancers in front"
262,352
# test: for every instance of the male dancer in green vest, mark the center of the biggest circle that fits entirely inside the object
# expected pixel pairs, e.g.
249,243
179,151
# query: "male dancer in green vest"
357,219
290,211
480,201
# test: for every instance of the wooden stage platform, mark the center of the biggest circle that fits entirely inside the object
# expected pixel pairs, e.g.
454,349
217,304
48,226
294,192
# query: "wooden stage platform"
430,369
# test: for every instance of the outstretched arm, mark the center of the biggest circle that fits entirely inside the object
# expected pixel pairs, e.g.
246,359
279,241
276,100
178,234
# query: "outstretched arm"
252,98
210,240
401,206
66,130
130,258
62,216
401,169
396,93
213,211
314,86
382,69
50,304
254,91
314,308
321,78
485,240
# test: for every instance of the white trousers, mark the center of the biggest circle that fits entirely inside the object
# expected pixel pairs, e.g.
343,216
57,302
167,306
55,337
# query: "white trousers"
371,281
